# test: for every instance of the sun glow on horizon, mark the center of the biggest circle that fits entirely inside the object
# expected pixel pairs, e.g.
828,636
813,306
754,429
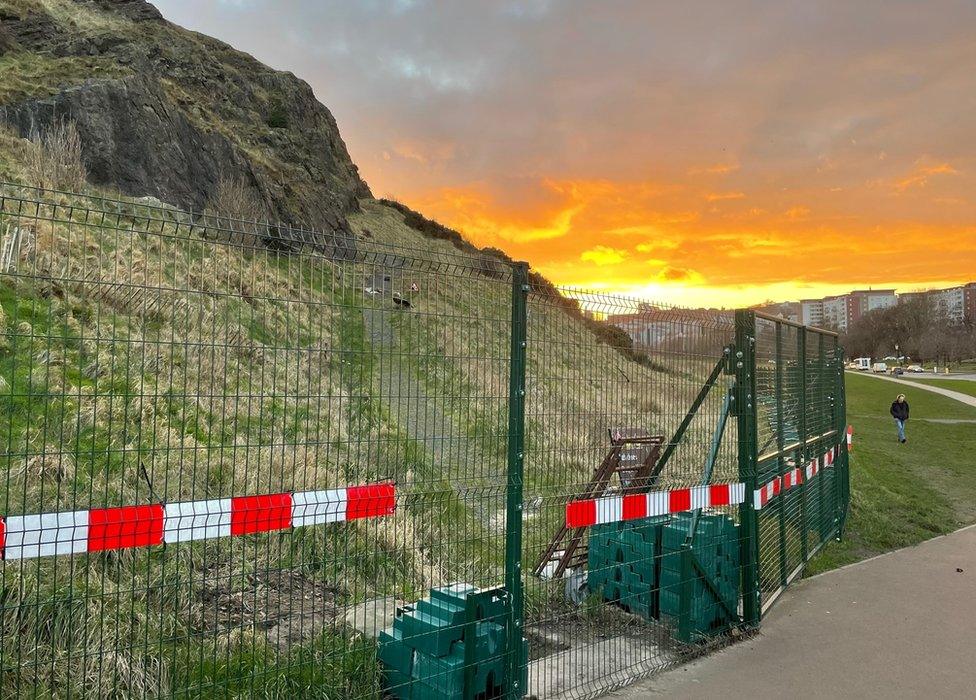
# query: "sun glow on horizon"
679,244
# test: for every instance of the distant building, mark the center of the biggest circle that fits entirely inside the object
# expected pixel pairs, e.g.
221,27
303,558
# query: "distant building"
812,312
790,310
841,311
862,301
956,304
655,327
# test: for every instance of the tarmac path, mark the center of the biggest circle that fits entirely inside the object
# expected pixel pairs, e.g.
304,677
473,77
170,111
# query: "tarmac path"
898,625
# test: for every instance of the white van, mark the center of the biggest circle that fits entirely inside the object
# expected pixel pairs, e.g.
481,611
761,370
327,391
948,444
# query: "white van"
879,368
862,363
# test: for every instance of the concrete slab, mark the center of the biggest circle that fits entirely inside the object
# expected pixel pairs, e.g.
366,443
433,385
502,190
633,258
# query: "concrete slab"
900,625
372,616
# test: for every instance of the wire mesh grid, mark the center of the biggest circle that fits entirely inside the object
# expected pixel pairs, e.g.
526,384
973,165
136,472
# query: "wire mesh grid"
599,610
252,460
800,426
229,378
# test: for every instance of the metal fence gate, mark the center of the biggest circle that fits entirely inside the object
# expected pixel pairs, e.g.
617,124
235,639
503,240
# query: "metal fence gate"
243,459
802,452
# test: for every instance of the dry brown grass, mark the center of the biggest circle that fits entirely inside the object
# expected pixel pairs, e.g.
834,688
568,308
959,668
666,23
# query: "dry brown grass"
56,162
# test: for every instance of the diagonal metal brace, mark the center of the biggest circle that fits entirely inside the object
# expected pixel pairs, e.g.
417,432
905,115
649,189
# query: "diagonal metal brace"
692,412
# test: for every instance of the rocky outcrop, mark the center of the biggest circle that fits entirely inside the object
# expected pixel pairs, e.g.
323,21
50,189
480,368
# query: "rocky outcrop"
7,41
134,139
187,112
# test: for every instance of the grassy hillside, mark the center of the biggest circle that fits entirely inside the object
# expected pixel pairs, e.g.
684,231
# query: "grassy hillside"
146,357
904,494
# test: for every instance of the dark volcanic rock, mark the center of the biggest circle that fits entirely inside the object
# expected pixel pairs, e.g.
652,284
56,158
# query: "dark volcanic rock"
133,138
188,112
7,41
137,10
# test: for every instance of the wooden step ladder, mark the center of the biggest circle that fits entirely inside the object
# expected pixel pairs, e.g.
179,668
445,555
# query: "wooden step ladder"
567,548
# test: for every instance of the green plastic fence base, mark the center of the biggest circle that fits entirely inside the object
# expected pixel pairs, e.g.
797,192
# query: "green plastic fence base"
426,654
641,567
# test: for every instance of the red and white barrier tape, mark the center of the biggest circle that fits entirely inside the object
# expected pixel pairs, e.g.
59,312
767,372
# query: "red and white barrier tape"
850,438
792,478
99,529
611,509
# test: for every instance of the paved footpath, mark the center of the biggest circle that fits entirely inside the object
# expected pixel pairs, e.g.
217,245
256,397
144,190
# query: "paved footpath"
901,625
957,395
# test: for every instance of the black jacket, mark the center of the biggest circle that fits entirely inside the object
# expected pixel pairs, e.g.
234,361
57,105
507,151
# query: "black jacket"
900,410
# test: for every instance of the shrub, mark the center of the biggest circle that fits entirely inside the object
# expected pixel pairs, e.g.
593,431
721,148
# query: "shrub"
237,211
277,115
55,161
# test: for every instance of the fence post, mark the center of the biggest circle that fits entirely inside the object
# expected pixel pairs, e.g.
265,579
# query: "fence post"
516,454
822,428
841,472
745,393
801,349
780,460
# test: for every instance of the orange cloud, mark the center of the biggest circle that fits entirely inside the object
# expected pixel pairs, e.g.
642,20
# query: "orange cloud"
921,175
722,196
603,255
797,212
717,169
656,244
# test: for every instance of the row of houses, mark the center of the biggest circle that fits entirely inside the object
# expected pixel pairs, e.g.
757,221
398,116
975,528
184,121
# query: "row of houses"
841,311
653,326
657,327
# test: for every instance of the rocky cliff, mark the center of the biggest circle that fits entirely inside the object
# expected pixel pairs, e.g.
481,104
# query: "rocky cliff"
165,112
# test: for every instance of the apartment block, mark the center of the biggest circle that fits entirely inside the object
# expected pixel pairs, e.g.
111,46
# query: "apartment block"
812,312
956,304
843,310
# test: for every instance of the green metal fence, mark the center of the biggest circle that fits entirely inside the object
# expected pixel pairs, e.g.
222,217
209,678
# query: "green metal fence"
250,460
802,450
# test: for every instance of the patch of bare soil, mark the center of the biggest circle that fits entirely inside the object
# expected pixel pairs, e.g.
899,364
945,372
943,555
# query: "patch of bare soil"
287,605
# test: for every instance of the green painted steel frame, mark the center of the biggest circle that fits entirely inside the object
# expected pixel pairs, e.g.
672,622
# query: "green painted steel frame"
723,419
741,402
516,463
780,445
744,359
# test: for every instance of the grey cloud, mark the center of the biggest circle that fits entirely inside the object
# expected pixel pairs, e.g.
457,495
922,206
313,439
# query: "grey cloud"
626,89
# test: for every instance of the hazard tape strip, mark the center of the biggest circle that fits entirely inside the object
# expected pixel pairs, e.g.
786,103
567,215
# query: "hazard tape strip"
850,438
611,509
100,529
792,478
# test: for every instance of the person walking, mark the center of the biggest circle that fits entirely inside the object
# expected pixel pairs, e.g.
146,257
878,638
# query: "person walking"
899,411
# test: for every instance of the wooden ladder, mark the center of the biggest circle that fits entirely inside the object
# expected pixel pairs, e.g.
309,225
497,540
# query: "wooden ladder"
567,547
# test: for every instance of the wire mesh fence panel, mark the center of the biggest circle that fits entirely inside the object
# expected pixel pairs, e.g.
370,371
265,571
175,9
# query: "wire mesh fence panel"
244,459
624,436
800,432
772,428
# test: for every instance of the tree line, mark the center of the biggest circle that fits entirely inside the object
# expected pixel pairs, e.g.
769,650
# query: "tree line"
917,329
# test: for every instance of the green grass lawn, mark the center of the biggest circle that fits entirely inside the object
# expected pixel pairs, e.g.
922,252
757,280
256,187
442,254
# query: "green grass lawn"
904,494
963,386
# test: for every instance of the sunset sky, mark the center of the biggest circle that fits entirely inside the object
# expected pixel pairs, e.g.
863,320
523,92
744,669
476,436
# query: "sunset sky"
703,153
